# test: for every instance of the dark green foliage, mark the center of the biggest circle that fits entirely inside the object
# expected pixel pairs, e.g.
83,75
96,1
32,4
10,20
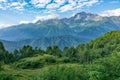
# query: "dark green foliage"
6,76
17,54
28,64
0,66
49,59
26,51
9,57
55,50
72,53
63,73
5,55
49,50
38,51
107,68
65,60
111,66
1,46
101,47
2,51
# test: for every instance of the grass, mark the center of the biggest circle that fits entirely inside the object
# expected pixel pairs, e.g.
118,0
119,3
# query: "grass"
27,74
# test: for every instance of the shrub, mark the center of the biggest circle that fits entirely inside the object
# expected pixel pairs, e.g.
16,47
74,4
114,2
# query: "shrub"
49,59
62,73
6,76
0,66
29,64
65,60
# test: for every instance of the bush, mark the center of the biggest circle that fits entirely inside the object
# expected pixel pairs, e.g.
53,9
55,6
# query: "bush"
29,64
6,76
0,66
65,60
49,59
62,73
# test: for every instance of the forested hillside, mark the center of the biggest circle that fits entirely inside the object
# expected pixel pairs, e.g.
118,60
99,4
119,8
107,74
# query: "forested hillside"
96,60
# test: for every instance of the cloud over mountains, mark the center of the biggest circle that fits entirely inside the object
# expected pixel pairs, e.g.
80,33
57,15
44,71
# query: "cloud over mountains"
115,12
24,11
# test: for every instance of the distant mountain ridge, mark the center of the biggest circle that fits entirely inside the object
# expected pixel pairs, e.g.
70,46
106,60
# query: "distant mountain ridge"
79,28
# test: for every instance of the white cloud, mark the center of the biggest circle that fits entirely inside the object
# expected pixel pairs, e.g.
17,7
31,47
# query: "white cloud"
1,6
24,22
50,11
18,5
77,4
58,5
115,12
90,3
52,6
3,0
72,3
40,3
83,3
42,18
13,5
61,5
66,8
60,2
5,25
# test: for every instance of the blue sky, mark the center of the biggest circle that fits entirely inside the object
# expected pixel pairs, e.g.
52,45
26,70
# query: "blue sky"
25,11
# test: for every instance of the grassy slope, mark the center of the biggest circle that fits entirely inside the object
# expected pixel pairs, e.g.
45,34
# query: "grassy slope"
26,74
111,38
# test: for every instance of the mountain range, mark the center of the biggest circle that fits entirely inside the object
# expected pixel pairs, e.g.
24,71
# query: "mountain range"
66,32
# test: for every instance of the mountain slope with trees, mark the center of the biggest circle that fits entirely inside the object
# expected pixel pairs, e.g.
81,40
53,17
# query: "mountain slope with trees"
96,60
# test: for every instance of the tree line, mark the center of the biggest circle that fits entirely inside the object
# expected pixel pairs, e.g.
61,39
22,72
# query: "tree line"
83,53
